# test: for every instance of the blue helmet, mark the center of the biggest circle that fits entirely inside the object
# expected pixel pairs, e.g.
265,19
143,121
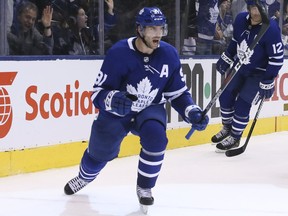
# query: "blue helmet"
261,5
150,16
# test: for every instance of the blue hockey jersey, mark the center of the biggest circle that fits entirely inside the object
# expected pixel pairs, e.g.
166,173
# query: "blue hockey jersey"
153,78
267,57
207,18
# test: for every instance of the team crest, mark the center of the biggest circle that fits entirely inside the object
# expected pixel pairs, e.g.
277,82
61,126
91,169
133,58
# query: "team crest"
144,92
244,53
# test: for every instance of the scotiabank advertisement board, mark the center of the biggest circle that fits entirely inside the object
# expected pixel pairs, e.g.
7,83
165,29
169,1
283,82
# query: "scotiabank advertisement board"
47,102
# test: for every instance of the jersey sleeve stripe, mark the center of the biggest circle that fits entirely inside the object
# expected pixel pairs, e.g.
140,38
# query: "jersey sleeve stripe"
171,94
275,63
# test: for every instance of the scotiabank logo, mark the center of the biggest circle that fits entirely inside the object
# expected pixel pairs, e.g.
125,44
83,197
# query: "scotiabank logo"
6,114
69,103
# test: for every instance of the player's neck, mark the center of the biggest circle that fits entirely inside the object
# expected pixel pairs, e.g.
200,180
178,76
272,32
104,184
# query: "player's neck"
142,47
255,22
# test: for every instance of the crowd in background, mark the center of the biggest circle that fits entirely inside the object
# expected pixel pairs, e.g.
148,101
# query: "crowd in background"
72,27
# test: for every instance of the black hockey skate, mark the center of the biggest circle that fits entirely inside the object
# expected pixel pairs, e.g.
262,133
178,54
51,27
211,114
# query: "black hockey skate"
221,135
145,198
74,185
228,143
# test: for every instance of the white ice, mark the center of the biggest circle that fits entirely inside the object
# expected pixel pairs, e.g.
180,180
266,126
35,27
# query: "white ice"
194,181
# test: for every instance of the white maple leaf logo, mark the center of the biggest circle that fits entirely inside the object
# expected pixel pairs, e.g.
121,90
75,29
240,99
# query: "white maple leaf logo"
144,93
214,12
244,53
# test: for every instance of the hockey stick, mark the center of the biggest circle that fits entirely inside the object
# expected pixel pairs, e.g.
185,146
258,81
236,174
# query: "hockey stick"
234,152
234,70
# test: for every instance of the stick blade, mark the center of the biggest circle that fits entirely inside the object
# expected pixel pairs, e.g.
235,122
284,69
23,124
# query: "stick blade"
234,152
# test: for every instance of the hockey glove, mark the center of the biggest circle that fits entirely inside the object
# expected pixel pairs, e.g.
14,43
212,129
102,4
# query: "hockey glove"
224,62
119,103
266,88
194,115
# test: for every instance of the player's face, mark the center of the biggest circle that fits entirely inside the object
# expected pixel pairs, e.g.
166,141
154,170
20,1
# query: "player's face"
255,15
153,35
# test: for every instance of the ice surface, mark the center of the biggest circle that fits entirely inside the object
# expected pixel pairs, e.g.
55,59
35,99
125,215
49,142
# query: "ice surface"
194,181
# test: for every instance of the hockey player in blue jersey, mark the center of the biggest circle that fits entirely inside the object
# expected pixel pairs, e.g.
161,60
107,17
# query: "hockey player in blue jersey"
137,77
254,80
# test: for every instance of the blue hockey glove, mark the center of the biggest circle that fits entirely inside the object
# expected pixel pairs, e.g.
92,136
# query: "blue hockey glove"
119,103
224,62
194,116
266,88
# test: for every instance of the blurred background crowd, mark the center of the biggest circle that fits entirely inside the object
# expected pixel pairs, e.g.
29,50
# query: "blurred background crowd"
91,27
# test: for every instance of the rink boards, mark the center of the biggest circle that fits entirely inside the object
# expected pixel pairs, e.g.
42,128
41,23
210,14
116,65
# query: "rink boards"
46,113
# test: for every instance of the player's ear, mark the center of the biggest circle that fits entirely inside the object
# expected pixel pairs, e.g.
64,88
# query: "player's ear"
140,30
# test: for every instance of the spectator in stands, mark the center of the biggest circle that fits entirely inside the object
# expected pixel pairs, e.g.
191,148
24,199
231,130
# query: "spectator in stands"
238,6
109,17
24,38
72,33
206,25
188,26
60,27
10,4
285,28
285,12
81,39
224,27
40,4
273,9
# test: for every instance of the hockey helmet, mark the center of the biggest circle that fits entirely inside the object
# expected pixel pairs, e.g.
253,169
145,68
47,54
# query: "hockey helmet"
261,5
150,16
